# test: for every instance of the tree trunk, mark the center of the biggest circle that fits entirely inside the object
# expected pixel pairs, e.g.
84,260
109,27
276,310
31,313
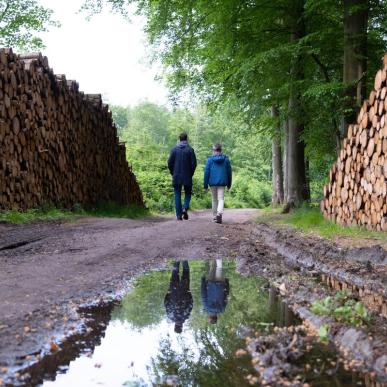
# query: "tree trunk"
277,177
286,157
355,58
297,185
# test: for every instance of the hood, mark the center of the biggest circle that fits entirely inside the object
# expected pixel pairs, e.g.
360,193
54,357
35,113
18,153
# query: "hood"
182,144
219,158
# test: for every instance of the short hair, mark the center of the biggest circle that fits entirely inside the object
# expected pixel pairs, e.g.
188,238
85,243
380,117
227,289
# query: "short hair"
183,136
217,147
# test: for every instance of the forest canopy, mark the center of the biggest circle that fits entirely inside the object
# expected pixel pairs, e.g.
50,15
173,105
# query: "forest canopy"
306,63
150,131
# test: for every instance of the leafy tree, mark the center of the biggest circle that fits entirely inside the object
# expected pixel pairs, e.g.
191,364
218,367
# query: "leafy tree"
20,21
153,130
120,117
258,54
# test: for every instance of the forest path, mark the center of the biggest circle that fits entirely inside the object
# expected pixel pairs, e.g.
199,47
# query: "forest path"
48,266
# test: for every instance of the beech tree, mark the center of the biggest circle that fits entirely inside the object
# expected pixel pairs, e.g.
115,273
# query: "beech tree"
21,21
289,53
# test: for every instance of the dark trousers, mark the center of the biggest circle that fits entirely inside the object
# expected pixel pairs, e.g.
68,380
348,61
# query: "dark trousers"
187,198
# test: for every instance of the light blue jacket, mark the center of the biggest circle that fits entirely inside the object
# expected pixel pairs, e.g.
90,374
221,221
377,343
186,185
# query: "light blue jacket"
218,171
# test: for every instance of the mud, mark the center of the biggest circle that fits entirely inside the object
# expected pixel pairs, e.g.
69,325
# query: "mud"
296,263
50,269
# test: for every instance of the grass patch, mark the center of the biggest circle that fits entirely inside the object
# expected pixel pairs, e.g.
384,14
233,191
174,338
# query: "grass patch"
116,210
19,217
105,209
310,219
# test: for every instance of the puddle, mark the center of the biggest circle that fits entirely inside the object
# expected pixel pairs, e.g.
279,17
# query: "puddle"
142,346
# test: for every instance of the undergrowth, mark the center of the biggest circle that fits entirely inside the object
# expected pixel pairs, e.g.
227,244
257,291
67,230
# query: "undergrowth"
342,308
47,213
309,219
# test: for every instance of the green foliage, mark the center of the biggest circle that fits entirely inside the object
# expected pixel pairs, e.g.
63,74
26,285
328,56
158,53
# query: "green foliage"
342,308
242,51
21,21
48,213
152,131
323,332
19,217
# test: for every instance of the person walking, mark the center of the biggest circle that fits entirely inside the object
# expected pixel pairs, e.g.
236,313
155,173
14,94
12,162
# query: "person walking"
214,290
178,301
217,175
182,164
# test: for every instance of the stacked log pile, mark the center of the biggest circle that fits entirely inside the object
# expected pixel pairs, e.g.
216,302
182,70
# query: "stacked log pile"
357,189
57,144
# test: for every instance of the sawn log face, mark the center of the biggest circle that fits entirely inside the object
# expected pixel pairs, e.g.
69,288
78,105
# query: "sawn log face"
57,144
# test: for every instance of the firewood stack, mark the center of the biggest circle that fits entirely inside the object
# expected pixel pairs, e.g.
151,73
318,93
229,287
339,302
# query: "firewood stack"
57,145
357,190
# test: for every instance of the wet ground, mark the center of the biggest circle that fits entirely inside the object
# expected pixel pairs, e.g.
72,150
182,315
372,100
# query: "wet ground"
187,326
49,270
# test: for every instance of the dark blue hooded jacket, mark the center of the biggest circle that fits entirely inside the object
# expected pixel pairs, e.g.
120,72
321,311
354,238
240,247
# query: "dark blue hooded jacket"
182,164
214,295
218,171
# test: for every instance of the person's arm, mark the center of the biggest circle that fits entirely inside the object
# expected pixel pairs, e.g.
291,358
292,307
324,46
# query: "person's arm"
207,174
171,161
204,291
193,162
229,173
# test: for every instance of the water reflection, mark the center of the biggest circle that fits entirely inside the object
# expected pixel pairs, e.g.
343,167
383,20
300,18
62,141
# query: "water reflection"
178,301
141,347
214,290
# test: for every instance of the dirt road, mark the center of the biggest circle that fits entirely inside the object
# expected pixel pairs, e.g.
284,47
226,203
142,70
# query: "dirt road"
48,267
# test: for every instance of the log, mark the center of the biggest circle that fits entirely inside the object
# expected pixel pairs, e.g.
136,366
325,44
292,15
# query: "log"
357,190
57,144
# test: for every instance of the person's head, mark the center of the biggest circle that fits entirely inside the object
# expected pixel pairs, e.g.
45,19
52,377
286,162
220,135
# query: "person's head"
183,136
217,148
213,318
178,328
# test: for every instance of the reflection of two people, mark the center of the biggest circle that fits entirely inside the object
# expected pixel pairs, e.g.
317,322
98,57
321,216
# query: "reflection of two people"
178,301
215,289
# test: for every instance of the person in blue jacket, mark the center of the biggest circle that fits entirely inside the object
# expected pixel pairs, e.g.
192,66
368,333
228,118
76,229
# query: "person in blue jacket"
182,165
217,175
214,291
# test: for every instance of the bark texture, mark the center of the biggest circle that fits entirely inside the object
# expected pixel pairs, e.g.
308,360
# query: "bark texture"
277,177
355,57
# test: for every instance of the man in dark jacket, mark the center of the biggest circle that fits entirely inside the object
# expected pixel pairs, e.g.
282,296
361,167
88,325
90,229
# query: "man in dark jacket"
182,165
217,175
178,301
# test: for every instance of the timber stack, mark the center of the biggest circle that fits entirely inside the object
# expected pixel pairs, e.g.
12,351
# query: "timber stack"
357,191
57,145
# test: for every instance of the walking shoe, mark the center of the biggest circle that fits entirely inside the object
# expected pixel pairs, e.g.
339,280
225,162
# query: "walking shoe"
179,218
185,214
214,219
218,218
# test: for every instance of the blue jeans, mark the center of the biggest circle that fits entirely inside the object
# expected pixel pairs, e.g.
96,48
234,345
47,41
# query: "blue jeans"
187,198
